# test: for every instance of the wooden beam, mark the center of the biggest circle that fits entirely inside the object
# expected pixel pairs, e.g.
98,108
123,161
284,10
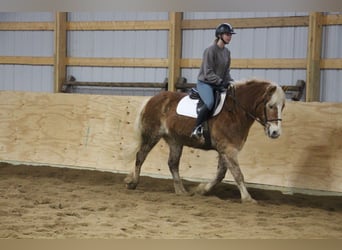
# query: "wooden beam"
117,62
331,63
119,25
175,46
26,60
254,63
313,74
265,22
31,26
60,50
268,63
332,19
69,85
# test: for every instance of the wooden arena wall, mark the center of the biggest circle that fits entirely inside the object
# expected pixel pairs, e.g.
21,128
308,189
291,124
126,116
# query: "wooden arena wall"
96,132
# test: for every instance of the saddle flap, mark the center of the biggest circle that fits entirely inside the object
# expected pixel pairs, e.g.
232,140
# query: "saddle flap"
187,106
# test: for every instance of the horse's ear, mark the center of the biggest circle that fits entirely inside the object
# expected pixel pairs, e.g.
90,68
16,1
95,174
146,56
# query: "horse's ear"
270,90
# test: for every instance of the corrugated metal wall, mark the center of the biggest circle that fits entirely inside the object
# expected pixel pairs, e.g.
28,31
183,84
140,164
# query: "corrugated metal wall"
26,43
129,44
288,42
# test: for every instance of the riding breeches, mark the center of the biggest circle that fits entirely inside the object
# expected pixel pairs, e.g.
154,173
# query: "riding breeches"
206,93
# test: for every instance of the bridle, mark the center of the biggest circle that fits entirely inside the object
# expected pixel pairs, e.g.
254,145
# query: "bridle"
264,123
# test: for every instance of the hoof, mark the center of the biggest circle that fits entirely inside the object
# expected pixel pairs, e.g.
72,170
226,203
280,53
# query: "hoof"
201,190
249,200
182,193
130,184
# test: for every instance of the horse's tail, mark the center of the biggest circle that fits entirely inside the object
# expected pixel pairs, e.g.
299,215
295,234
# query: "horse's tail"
134,146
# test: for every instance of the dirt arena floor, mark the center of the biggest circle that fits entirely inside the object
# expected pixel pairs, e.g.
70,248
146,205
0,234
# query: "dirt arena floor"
45,202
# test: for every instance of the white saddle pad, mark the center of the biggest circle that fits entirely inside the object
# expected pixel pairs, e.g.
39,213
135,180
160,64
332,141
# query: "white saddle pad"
187,106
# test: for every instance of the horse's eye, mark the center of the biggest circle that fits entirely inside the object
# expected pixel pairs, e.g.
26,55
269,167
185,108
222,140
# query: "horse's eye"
270,106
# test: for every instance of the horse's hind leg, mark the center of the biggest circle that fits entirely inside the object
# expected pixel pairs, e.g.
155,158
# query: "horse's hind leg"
132,179
173,162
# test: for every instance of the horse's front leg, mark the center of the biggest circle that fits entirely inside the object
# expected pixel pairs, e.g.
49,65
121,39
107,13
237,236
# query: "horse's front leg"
205,188
232,164
235,170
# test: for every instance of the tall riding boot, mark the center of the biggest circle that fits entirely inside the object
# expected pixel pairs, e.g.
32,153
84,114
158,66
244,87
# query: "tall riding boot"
203,113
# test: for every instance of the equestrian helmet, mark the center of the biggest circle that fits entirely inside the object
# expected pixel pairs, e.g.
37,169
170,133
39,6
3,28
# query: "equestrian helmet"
224,28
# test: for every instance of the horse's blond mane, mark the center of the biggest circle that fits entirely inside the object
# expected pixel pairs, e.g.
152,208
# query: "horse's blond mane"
253,81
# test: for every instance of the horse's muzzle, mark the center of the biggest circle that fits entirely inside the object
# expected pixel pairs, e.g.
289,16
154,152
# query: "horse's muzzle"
273,131
274,135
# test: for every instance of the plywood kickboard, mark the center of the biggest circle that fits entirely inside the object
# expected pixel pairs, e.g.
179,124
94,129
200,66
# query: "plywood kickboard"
97,132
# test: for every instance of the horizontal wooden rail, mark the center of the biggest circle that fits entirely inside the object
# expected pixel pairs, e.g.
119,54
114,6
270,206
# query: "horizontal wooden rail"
328,63
26,26
117,62
253,63
26,60
119,25
182,85
269,63
332,19
264,22
331,63
68,85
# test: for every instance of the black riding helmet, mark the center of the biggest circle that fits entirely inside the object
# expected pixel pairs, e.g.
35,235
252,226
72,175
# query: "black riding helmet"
224,28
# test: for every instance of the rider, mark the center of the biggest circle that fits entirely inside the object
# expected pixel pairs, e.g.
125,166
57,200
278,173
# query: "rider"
214,73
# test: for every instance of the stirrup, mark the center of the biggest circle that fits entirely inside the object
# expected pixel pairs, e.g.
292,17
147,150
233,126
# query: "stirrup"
197,132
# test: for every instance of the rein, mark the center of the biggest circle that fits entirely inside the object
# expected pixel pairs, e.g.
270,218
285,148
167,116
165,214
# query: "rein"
255,118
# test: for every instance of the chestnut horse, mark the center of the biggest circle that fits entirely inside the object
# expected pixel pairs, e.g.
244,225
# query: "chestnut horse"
253,100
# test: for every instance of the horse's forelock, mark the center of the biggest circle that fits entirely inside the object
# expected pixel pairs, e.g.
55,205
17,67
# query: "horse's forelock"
279,95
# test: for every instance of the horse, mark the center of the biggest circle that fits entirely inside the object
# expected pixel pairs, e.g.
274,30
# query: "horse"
251,100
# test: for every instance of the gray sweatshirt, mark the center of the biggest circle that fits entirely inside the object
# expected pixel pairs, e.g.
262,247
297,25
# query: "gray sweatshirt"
215,66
